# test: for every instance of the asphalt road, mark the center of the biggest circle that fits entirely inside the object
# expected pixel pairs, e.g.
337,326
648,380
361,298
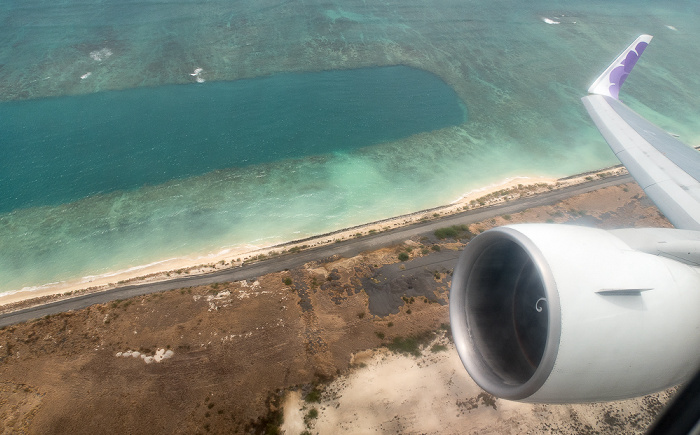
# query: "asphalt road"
346,249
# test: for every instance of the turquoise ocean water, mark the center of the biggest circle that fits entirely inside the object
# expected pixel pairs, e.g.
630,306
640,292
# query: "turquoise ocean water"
134,132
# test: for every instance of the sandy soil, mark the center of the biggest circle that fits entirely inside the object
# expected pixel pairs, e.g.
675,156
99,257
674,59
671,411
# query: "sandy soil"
430,394
239,348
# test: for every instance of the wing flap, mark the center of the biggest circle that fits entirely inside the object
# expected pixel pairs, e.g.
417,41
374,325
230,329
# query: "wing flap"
671,184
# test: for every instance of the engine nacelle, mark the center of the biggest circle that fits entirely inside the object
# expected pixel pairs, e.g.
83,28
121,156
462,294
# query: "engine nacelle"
559,314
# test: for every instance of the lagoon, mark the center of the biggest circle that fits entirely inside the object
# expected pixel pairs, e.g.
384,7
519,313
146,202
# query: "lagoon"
58,150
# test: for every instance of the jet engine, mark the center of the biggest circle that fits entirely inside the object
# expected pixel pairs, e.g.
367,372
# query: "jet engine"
560,313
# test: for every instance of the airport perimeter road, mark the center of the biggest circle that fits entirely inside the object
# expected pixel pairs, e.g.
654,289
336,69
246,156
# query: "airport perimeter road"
346,248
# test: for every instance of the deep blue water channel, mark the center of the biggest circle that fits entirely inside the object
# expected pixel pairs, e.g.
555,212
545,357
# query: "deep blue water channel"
57,150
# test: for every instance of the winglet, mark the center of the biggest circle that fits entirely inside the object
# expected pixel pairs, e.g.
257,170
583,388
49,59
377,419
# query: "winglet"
611,80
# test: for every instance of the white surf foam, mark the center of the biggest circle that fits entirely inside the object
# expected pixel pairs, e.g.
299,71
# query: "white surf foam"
90,278
100,55
197,74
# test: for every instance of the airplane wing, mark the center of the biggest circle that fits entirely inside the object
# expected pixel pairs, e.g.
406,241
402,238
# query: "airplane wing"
667,169
564,313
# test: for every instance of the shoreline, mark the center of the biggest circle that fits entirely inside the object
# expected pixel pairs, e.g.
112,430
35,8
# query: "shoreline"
162,270
300,332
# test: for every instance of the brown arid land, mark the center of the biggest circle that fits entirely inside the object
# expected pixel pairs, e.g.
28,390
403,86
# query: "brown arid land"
351,345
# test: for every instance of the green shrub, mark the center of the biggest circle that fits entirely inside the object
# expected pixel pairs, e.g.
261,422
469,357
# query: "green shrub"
407,345
438,348
447,232
403,256
287,281
311,415
314,396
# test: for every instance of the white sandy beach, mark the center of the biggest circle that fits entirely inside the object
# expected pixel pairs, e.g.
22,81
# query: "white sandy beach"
235,256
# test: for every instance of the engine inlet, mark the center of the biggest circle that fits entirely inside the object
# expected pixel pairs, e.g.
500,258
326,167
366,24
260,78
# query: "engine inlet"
500,310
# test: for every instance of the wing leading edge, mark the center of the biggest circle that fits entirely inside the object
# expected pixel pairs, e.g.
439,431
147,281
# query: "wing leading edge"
667,169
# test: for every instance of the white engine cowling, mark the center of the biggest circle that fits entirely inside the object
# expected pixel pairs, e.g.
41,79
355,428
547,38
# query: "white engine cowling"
560,314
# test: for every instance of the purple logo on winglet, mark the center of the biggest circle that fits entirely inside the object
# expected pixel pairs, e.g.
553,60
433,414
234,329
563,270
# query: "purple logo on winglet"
619,74
611,80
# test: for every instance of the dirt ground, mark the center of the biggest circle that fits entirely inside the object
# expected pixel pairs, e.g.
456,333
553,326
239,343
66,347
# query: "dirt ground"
224,358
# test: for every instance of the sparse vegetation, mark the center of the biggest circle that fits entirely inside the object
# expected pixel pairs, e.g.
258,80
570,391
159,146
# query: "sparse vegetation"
313,396
271,422
287,281
311,415
405,345
448,331
456,232
487,399
438,348
409,345
403,256
379,334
